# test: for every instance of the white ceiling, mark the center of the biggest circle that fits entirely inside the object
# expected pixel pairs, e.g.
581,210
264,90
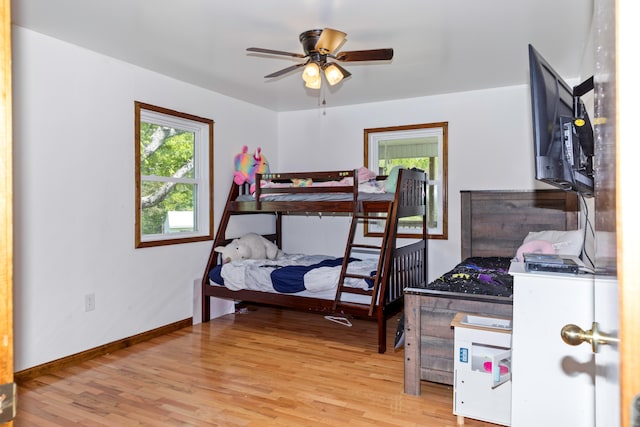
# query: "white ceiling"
440,46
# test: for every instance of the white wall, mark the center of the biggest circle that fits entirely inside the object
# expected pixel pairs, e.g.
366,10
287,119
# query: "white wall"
490,147
74,197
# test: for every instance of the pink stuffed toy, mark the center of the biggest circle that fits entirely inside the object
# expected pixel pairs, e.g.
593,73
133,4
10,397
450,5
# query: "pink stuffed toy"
248,165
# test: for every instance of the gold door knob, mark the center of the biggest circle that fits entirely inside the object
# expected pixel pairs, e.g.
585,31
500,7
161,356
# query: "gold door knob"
574,335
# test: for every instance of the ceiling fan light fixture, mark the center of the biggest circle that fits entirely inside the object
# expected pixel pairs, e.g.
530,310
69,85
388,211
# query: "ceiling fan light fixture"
320,46
333,74
311,72
314,83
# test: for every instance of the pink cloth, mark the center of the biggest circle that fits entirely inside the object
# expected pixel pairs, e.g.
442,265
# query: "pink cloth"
534,247
365,174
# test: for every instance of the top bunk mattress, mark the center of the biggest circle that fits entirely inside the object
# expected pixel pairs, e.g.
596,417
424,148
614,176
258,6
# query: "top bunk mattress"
331,191
307,190
348,185
318,197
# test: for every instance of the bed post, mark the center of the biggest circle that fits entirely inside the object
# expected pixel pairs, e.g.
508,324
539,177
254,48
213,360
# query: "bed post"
278,229
465,224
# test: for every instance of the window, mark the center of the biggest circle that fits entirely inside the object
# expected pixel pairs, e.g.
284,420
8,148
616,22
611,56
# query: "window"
423,146
174,177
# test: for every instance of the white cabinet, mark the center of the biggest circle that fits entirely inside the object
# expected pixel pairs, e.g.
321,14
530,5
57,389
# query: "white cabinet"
552,382
482,368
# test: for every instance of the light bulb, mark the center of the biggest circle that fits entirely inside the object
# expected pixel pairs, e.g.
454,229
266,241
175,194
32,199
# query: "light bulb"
311,72
333,74
314,83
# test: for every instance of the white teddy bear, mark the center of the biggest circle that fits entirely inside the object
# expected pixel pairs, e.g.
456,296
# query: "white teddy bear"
249,246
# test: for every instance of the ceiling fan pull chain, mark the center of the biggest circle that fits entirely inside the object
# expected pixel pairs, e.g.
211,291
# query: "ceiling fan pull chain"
323,103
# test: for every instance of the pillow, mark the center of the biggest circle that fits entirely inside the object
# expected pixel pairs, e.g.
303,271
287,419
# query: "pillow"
563,242
534,247
365,174
392,179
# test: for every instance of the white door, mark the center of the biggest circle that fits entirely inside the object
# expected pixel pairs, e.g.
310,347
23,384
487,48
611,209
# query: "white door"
598,349
553,382
607,359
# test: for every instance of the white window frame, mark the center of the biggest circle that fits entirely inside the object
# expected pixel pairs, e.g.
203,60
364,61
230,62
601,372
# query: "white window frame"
373,138
202,180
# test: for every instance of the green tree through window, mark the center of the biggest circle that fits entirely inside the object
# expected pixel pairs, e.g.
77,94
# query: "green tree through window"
174,177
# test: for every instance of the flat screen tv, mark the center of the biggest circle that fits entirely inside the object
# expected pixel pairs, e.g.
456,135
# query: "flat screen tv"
562,132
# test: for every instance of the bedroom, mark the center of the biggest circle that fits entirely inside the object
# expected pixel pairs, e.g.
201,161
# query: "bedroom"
73,245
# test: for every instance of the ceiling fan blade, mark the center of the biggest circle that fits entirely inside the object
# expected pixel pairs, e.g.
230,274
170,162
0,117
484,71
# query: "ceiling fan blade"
330,40
285,70
275,52
365,55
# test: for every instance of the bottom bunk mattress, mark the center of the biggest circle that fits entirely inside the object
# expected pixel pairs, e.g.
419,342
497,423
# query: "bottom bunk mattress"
314,276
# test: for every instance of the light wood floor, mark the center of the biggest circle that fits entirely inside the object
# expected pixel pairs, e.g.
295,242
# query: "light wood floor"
266,367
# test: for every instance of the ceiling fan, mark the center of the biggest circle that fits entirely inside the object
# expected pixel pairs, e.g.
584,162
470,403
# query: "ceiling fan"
319,46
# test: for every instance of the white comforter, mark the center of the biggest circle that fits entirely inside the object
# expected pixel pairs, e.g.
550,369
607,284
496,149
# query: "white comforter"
256,274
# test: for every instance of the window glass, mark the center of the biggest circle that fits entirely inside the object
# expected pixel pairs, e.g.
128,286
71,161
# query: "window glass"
174,177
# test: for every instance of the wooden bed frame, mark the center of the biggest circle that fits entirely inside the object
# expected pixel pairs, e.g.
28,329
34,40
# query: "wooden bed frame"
494,223
400,266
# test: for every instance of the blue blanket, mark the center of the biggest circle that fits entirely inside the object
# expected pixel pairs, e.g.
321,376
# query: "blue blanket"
290,279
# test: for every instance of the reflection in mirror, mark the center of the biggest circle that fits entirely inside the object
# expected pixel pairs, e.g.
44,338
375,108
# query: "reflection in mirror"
422,146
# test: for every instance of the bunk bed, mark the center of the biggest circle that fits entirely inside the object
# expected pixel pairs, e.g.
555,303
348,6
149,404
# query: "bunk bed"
494,225
338,193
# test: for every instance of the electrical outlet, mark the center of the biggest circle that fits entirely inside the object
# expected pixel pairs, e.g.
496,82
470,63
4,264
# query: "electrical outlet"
89,302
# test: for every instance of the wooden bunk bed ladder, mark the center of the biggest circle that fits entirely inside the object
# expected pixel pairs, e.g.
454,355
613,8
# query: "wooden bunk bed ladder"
382,250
